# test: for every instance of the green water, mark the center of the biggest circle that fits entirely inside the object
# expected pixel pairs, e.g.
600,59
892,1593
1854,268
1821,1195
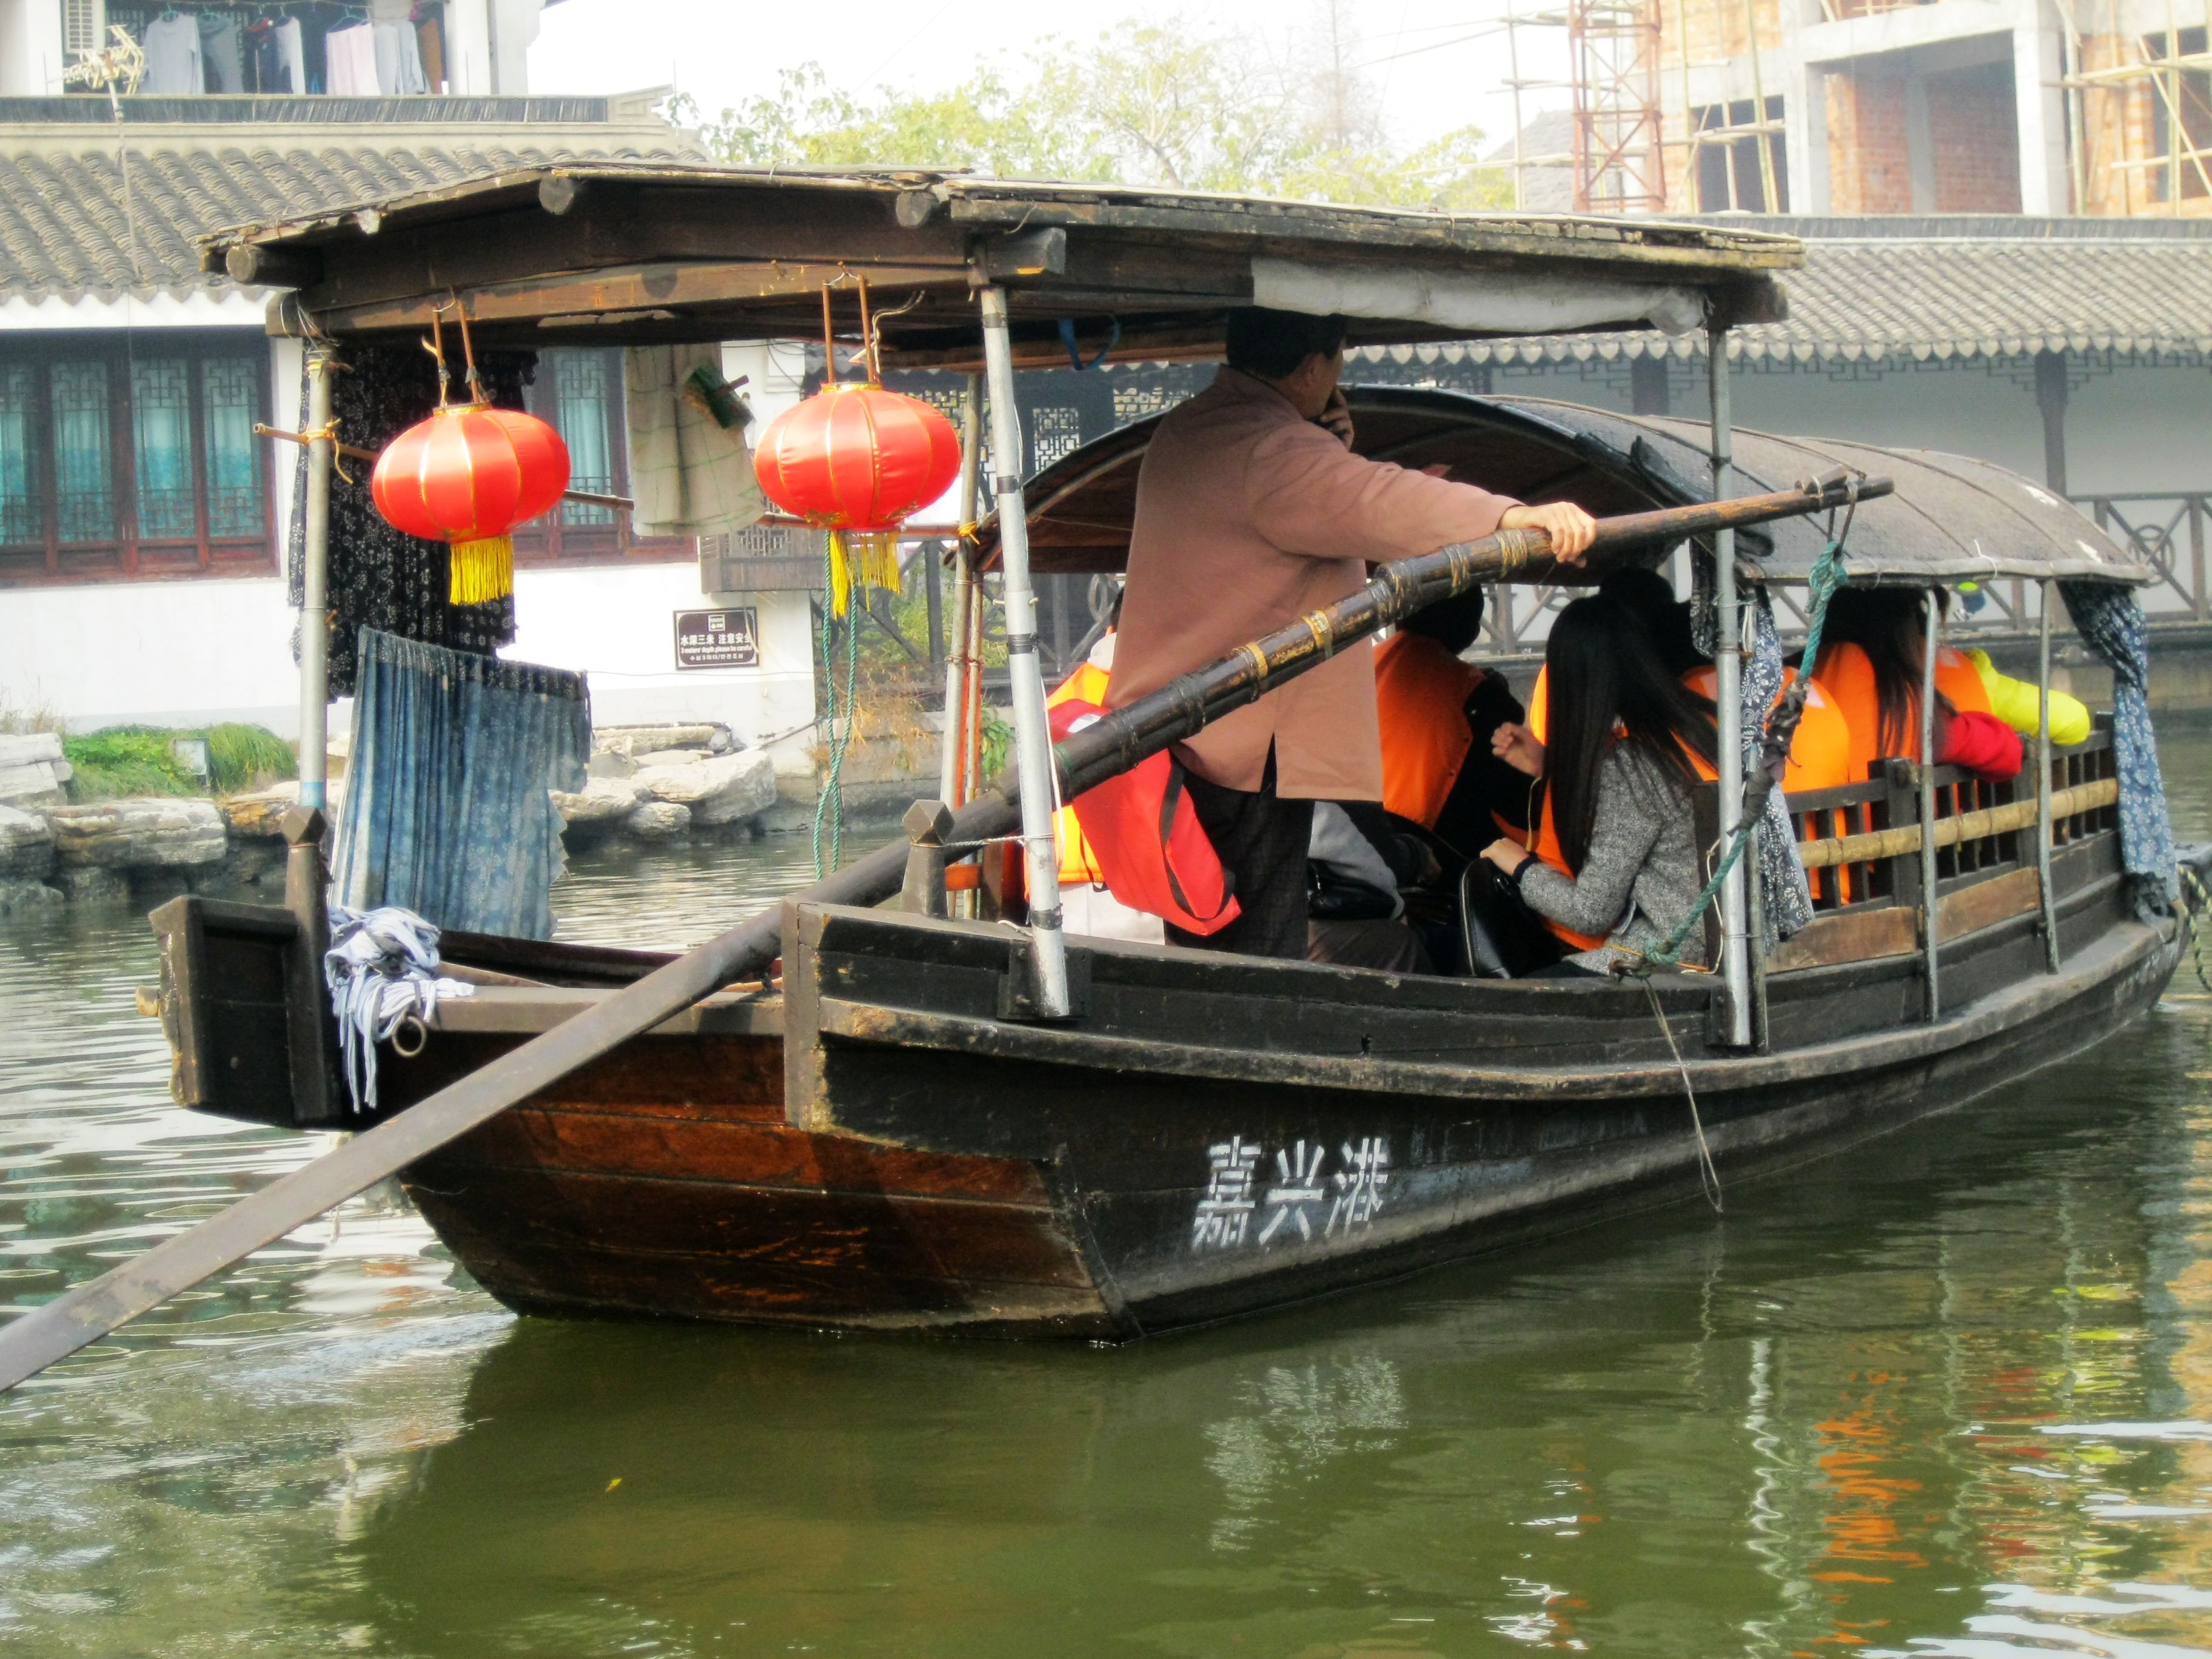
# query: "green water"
1950,1394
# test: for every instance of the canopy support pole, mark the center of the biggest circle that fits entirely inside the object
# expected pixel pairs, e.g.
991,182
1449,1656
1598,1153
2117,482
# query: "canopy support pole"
1931,625
953,785
2043,781
1045,996
1727,672
314,586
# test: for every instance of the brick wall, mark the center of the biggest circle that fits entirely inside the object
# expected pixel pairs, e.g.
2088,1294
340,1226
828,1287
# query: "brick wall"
1717,29
1973,133
2119,124
1869,170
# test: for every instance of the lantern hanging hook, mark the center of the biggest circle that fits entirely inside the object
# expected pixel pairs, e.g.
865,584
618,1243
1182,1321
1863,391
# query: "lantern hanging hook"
867,335
468,349
435,345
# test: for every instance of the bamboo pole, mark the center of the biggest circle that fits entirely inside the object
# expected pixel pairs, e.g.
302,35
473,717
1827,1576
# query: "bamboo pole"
355,453
1728,671
1903,840
315,585
88,1312
2044,817
1930,643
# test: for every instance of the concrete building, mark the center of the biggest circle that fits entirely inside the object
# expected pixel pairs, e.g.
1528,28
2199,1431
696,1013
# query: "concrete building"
2041,108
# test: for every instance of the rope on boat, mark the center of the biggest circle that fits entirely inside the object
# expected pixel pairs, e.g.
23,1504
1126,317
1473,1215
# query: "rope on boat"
1708,1176
2200,903
830,800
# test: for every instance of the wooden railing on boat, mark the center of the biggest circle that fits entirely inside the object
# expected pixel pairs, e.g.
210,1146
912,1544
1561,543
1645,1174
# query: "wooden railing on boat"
1861,845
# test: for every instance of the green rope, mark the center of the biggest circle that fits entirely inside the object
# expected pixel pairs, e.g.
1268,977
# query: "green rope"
829,799
1781,728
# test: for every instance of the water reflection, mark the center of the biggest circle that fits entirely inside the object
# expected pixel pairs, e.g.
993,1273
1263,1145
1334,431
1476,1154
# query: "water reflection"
1950,1394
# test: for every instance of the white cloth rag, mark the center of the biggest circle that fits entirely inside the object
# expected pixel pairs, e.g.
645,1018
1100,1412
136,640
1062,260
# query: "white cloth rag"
381,966
687,475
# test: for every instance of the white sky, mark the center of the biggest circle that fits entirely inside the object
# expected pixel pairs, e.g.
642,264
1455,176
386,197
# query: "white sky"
722,50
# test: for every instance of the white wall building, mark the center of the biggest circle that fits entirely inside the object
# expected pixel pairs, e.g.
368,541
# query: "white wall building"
142,527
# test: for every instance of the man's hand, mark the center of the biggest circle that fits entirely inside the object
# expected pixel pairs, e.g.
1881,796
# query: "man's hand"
1571,530
1336,418
1517,746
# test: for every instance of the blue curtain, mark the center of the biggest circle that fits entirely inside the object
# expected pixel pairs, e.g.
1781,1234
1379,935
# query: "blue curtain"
2110,624
446,812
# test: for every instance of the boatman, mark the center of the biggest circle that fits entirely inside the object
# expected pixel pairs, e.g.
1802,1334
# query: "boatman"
1251,511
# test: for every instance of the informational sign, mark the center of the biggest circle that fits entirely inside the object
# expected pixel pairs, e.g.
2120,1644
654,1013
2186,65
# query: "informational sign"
718,638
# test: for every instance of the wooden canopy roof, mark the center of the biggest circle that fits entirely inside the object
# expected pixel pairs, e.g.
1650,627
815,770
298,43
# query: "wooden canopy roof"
615,252
1951,518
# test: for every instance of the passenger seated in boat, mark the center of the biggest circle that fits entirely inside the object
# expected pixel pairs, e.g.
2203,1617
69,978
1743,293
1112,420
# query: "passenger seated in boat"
1437,713
1650,596
1251,512
1628,743
1872,657
1360,868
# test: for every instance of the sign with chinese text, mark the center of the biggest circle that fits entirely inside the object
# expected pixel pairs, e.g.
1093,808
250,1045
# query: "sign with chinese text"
718,638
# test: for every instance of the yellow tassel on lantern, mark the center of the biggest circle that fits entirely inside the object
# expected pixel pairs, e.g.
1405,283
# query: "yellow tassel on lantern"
483,570
841,575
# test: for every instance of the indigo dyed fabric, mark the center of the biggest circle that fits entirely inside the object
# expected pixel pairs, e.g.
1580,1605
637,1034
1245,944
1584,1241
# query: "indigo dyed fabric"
2111,622
1786,901
380,578
446,812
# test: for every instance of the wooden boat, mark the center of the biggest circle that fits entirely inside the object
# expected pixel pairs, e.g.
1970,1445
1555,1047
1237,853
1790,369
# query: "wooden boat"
885,1137
871,1144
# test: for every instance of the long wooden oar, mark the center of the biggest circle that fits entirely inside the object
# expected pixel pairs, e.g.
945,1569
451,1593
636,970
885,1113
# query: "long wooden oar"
1111,746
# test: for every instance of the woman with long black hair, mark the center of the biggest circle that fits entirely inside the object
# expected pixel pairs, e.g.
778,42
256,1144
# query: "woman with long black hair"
1625,741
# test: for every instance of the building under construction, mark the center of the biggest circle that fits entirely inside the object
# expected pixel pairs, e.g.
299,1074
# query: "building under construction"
1824,108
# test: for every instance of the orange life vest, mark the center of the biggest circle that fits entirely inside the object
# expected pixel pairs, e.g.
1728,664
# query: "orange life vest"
1820,752
1078,866
1846,674
1420,694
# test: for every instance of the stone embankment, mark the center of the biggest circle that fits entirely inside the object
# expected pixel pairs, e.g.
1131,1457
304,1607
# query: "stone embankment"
645,783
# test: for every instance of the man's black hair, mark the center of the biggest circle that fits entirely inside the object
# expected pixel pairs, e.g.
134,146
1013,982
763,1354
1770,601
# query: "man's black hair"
1273,344
1454,624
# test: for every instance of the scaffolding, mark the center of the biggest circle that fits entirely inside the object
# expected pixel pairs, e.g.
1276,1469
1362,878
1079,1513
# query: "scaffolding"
1619,147
2166,75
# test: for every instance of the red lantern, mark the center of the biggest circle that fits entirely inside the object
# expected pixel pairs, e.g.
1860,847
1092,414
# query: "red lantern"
857,457
468,475
857,460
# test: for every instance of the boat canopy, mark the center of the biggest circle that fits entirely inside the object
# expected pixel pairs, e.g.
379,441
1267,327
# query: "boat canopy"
624,253
1951,518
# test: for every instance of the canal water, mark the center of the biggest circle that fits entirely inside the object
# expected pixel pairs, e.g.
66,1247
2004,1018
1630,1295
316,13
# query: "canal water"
1949,1394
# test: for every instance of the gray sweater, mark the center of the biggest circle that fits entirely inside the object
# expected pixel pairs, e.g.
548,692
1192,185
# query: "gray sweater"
1642,876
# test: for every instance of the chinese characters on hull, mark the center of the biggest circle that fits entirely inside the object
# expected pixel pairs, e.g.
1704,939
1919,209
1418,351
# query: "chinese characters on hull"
1305,1197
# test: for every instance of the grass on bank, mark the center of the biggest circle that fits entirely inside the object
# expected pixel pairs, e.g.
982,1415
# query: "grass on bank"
140,760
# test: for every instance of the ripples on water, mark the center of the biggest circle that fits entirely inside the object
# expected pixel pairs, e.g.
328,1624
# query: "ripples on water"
1950,1394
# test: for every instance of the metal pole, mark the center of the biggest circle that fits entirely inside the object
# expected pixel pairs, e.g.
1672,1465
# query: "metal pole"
314,587
1728,671
1931,625
953,775
2043,784
1047,994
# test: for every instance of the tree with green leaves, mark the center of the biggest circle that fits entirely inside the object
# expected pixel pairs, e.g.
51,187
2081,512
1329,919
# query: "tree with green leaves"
1145,103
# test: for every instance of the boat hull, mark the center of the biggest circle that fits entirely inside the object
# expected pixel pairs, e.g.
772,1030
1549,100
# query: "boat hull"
1214,1138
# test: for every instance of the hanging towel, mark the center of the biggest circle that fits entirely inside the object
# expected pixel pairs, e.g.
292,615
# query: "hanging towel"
2111,622
173,57
350,62
222,51
380,968
398,61
294,52
688,476
446,810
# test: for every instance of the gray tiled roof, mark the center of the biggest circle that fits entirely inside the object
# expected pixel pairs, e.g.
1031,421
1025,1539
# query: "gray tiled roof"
1921,290
75,221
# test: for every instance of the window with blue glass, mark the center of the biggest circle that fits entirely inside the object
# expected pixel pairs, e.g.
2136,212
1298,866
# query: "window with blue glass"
133,456
579,389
